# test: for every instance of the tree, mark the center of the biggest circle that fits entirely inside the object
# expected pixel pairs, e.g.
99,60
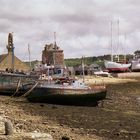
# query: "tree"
137,53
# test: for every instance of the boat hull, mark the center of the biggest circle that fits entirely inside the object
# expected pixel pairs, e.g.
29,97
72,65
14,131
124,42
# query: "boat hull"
11,83
135,65
7,90
116,67
67,97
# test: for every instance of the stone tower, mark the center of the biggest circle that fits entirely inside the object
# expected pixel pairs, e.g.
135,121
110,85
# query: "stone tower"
53,55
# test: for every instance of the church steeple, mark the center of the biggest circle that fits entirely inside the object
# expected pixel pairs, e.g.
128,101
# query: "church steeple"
10,46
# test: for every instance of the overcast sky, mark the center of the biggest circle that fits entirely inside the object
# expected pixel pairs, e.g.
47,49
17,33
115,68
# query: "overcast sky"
82,27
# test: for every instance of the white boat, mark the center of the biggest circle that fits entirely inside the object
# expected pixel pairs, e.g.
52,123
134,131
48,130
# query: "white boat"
117,67
102,73
135,64
113,66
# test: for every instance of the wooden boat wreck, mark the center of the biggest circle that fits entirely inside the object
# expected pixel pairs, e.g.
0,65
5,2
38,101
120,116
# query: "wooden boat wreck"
67,92
63,91
15,84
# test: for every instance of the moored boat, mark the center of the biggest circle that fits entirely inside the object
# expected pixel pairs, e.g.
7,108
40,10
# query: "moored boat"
135,64
15,83
117,67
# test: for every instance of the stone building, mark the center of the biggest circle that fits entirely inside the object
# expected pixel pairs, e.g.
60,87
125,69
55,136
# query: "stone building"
53,55
9,60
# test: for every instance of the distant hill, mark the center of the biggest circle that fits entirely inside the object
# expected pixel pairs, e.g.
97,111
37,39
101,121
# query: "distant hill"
87,60
33,63
90,60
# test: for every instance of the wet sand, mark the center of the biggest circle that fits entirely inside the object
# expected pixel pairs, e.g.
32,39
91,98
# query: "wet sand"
118,118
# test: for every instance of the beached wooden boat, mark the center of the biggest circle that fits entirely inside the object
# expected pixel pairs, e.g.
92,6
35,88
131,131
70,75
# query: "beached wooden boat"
13,83
65,91
68,92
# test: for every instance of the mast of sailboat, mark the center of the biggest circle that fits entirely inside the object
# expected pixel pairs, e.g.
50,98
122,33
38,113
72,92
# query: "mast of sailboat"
125,46
54,48
83,69
13,61
29,55
111,42
118,40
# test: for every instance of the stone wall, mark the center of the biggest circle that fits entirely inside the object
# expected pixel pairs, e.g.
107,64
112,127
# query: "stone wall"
53,55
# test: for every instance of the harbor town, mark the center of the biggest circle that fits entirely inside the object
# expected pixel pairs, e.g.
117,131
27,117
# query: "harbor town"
33,114
69,70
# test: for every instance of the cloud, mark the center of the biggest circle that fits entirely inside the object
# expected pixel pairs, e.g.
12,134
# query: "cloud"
82,27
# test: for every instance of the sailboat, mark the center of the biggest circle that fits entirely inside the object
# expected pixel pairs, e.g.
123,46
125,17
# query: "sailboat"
116,66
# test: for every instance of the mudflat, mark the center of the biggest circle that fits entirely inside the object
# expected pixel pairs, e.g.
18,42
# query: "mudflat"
118,118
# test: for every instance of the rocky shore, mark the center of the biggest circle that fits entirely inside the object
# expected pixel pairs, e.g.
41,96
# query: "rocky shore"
118,118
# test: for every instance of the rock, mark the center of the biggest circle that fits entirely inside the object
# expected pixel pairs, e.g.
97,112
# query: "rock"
2,128
27,136
104,131
36,136
138,100
6,126
65,138
3,137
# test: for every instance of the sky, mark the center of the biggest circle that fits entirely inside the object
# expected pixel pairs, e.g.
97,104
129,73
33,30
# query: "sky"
82,27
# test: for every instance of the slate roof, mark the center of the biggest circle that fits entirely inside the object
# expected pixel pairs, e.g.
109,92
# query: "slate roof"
2,57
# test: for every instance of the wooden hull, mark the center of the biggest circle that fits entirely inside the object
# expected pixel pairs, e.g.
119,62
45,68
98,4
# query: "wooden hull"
9,90
51,93
10,83
67,96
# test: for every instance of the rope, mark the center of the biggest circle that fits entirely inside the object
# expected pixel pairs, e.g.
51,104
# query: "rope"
30,90
18,85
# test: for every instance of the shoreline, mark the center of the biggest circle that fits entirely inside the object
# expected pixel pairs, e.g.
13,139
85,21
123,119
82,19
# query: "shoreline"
118,118
108,80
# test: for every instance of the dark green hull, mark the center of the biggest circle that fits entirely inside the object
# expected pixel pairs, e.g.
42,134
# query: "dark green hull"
67,97
10,90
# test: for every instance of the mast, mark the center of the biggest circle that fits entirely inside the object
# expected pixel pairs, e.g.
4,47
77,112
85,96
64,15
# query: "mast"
111,42
13,61
83,70
125,46
118,40
54,48
29,55
55,40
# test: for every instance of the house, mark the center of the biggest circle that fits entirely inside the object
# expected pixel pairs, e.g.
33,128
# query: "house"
88,70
